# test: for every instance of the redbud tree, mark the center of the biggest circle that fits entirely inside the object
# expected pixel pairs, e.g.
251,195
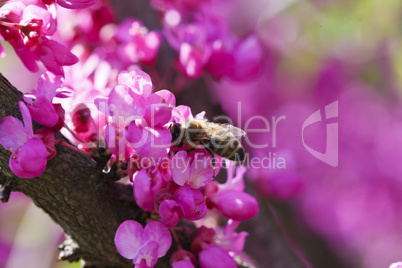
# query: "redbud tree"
91,143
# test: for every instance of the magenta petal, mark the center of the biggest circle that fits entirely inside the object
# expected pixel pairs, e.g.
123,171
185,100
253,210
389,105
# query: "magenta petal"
46,56
215,257
62,55
138,80
124,104
127,238
32,156
146,256
34,13
157,114
76,4
184,112
146,187
17,170
43,112
192,202
248,54
47,137
48,83
180,167
201,172
170,212
27,57
101,104
236,205
26,118
183,264
157,231
167,97
12,133
134,135
156,146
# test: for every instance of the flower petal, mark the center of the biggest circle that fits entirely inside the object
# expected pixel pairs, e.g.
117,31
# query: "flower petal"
32,156
201,172
48,83
127,238
167,97
146,256
180,166
157,231
12,133
43,112
236,205
26,118
170,212
156,146
214,256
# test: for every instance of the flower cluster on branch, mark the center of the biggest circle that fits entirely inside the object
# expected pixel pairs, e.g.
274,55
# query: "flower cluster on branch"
115,116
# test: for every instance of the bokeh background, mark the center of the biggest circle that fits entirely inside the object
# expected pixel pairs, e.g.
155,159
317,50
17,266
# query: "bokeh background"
310,54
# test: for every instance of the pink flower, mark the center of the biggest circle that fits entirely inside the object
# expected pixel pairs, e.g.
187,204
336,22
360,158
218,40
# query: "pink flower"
237,205
150,143
196,173
228,239
159,108
229,197
214,256
170,212
54,55
12,13
29,154
143,245
41,109
146,186
139,81
28,28
137,43
124,106
248,54
192,201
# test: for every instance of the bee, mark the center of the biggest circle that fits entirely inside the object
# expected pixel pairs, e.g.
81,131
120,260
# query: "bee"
215,138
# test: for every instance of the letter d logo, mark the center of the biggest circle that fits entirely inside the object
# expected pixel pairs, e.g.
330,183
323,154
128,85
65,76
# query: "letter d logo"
331,148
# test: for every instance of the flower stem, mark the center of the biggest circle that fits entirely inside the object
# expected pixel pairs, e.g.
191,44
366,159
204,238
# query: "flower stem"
76,136
175,237
72,147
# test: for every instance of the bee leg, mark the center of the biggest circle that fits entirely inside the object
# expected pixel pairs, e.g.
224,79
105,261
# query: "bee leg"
212,157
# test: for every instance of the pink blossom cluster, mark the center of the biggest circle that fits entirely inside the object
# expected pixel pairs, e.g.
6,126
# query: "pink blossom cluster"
168,181
131,121
28,26
31,149
204,41
171,183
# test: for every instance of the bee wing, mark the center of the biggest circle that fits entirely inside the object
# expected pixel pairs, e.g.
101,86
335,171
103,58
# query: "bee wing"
237,132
